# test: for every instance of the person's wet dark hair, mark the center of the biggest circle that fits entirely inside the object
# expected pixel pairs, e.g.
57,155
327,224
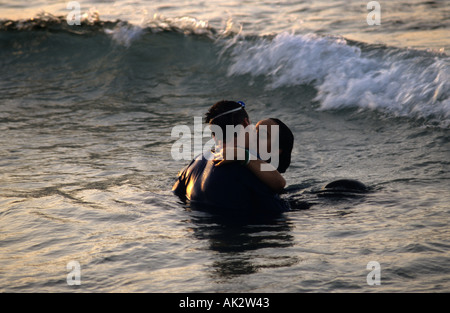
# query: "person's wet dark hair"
214,115
286,143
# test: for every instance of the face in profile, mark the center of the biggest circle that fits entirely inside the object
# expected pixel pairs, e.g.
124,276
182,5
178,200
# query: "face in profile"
275,143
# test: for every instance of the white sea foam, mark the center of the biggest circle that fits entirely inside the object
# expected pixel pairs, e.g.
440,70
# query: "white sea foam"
124,33
398,82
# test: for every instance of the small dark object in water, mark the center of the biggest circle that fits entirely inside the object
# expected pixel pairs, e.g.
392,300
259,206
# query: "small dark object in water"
349,185
343,188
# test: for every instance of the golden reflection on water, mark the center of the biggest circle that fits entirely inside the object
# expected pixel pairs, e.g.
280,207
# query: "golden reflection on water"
437,40
414,25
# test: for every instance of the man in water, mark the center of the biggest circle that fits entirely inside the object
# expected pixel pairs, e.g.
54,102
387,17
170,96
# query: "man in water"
227,184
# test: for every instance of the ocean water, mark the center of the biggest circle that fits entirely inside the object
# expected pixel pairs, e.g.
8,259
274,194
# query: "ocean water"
86,170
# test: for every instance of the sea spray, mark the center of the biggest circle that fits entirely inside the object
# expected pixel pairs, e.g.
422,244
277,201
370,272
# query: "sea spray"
401,82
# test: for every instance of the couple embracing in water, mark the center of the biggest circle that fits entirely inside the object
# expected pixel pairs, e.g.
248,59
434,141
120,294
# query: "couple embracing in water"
243,172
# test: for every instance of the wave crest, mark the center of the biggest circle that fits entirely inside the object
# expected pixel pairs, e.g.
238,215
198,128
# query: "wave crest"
400,82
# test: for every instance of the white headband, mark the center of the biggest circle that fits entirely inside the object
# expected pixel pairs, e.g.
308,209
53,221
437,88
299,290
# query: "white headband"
230,111
227,112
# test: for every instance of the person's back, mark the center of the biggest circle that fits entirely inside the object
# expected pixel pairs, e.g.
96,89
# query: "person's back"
231,188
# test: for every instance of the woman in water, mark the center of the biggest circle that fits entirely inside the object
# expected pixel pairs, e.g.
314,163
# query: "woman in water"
270,175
